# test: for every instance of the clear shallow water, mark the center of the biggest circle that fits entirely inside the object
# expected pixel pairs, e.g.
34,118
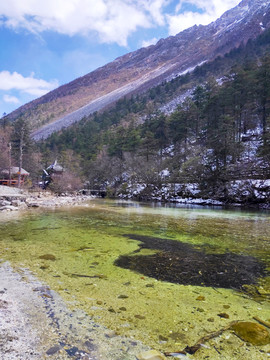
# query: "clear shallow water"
84,243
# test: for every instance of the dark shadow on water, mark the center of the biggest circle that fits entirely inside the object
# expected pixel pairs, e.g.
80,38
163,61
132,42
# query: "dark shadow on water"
181,263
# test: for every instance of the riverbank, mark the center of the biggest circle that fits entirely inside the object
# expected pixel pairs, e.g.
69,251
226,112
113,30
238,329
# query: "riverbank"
36,324
239,193
14,199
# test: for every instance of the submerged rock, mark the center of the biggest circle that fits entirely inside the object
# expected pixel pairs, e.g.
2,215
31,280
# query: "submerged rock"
122,297
253,333
140,317
224,315
48,257
54,349
151,355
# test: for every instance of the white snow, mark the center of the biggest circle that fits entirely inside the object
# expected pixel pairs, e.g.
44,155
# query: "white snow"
185,71
261,25
164,173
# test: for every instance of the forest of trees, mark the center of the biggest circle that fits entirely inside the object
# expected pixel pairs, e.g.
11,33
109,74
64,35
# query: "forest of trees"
218,134
209,139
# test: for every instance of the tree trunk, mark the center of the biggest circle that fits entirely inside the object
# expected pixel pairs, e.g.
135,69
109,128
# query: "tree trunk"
21,157
9,163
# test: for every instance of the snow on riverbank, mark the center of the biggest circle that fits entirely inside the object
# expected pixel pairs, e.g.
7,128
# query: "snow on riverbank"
238,193
248,192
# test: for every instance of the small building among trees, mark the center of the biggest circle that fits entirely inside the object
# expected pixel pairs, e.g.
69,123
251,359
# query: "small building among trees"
52,173
12,176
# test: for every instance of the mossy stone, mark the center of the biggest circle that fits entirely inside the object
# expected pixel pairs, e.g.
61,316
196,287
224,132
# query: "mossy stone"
253,333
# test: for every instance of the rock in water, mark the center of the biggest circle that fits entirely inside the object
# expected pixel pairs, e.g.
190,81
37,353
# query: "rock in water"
151,355
253,333
54,349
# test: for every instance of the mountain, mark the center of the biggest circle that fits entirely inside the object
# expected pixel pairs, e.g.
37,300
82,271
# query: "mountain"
140,70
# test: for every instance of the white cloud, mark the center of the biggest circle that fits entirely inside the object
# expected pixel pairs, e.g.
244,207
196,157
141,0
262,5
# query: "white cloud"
11,99
208,11
29,85
109,20
149,42
112,20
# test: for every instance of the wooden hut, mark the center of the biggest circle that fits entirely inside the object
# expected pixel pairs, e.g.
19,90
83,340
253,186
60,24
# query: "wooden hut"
10,177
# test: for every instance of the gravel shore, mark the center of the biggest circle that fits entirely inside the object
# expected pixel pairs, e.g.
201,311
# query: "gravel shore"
14,199
24,326
36,324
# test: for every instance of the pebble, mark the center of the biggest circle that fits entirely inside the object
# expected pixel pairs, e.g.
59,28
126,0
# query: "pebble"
90,345
54,349
12,199
200,309
223,315
122,297
111,309
141,317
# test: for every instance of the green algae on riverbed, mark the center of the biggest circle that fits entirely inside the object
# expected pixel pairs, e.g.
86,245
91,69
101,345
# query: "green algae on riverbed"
85,243
181,263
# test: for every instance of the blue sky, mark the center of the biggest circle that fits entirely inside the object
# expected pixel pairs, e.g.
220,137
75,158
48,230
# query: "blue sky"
45,44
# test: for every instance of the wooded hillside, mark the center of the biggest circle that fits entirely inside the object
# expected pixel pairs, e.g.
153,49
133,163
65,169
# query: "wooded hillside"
216,135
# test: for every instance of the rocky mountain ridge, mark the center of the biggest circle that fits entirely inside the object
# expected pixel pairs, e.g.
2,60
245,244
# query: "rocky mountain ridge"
145,68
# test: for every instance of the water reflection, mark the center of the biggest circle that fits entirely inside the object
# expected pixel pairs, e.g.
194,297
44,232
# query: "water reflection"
190,210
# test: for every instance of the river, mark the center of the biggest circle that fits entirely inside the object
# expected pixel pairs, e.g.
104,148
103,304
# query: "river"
161,274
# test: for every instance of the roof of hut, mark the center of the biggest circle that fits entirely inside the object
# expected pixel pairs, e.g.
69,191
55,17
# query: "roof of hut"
15,170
